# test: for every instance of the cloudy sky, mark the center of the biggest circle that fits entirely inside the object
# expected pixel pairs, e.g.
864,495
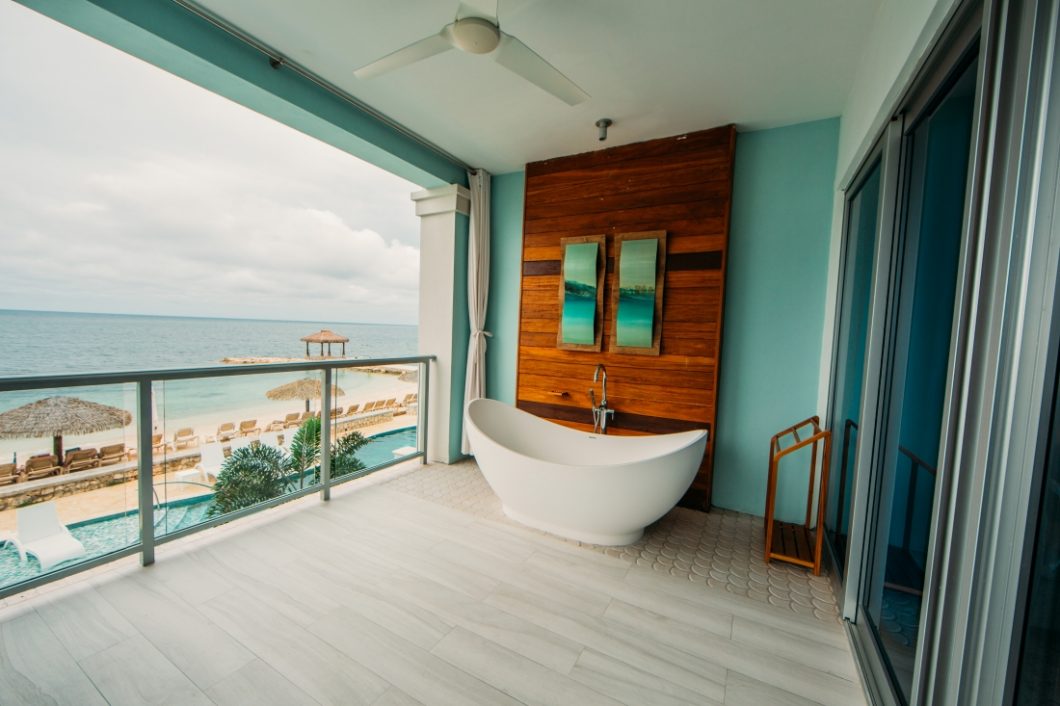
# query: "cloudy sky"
128,190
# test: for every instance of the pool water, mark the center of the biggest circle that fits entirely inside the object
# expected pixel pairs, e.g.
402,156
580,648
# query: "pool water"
380,448
104,535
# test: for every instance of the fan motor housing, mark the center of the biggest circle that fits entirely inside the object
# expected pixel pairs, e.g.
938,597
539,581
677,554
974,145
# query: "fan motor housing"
475,35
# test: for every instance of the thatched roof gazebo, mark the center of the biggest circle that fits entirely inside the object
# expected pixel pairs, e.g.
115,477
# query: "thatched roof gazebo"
304,389
56,416
325,336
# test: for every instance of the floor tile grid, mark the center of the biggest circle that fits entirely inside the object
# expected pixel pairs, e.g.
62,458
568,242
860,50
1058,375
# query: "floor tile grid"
722,549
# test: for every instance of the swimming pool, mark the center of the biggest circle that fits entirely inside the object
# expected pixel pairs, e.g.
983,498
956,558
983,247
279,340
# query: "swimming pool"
103,535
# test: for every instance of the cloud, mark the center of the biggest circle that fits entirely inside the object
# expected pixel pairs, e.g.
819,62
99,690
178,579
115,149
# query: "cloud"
129,190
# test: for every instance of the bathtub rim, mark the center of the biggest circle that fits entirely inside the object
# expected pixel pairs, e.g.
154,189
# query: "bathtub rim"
694,435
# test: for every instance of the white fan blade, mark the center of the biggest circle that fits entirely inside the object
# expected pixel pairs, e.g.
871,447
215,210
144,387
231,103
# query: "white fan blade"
486,9
521,59
423,49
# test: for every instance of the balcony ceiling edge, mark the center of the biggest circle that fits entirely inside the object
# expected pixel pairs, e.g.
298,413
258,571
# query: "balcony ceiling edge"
179,41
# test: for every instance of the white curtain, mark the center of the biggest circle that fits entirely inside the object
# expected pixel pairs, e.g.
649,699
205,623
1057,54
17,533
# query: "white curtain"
478,288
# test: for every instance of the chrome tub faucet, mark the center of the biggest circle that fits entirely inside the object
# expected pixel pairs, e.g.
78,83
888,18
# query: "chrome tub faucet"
600,411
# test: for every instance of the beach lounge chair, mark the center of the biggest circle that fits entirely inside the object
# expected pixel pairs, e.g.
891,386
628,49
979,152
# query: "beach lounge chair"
209,465
185,438
226,432
80,459
354,408
248,427
392,402
8,473
240,443
370,406
337,412
270,439
113,453
276,425
306,416
293,419
158,444
41,534
42,466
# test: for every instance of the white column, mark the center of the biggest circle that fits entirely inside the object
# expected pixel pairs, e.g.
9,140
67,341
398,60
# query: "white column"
438,209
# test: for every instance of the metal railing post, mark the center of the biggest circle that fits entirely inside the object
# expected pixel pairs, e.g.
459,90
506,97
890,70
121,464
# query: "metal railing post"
325,437
145,469
423,410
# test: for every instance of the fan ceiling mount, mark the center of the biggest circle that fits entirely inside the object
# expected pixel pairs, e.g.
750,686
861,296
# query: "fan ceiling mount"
474,31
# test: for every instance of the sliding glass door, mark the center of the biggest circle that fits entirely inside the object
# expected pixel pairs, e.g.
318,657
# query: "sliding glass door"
917,378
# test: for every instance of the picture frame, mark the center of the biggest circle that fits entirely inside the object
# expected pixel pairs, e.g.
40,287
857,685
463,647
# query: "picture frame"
581,293
637,292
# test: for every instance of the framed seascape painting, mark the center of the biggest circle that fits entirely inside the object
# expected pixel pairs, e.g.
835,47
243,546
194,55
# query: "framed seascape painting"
581,293
637,293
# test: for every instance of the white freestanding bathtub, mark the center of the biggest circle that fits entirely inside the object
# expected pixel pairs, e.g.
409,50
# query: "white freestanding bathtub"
593,488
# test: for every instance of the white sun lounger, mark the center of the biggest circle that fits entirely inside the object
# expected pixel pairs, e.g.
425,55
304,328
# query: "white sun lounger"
210,460
241,442
41,534
271,439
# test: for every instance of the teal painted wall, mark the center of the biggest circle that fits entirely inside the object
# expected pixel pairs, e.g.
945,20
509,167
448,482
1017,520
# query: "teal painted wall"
172,38
461,333
506,255
774,306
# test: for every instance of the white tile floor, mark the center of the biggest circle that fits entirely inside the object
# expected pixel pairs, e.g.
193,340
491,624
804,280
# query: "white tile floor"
721,549
380,597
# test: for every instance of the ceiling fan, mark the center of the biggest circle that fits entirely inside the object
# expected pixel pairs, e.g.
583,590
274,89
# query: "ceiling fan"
476,31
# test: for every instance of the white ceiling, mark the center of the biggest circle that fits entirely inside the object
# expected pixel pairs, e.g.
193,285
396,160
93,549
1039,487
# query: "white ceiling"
657,68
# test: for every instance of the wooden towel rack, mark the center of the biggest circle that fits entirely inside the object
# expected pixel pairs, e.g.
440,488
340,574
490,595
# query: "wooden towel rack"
787,541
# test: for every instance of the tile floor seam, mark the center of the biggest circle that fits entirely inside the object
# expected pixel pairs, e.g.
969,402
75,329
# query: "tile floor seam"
76,661
250,650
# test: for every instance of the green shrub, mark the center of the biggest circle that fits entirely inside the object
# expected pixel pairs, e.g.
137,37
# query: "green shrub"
256,473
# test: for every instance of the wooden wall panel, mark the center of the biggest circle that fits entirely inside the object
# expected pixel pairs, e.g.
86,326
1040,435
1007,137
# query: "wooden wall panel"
682,185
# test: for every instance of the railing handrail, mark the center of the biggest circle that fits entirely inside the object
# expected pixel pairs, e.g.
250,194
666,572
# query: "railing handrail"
915,460
33,382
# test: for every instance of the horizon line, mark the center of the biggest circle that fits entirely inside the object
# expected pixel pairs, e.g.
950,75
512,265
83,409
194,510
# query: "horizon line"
210,318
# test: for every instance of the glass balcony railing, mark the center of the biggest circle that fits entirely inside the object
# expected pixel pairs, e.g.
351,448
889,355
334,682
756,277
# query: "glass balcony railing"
99,466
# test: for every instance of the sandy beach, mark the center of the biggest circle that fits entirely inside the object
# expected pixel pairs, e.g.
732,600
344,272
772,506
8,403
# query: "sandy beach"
382,386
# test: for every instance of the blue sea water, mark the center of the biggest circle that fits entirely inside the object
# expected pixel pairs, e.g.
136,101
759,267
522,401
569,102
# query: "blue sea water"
45,343
579,319
635,315
48,343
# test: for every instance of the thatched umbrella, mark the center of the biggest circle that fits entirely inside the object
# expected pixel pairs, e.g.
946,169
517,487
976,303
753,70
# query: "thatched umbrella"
56,416
325,336
304,389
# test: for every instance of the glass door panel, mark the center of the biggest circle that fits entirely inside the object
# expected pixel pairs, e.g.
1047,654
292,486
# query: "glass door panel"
938,150
1039,679
862,226
862,220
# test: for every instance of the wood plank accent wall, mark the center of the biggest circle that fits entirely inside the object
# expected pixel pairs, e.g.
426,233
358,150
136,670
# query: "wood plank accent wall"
682,185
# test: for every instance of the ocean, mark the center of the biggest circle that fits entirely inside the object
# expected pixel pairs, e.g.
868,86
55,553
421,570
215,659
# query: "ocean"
46,343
